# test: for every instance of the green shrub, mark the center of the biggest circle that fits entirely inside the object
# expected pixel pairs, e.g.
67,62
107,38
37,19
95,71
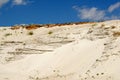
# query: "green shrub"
50,32
4,29
30,33
8,34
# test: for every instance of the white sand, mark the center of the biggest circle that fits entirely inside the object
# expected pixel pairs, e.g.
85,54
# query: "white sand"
74,52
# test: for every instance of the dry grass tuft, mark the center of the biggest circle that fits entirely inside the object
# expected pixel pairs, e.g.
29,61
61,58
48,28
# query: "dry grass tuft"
116,34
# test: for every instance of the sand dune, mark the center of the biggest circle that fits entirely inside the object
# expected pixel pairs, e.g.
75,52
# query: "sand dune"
70,52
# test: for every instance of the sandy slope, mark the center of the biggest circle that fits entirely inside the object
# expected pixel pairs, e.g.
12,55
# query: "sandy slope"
72,52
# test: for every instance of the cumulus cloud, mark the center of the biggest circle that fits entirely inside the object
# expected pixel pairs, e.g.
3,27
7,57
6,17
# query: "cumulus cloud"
19,2
95,14
90,13
2,2
114,6
14,2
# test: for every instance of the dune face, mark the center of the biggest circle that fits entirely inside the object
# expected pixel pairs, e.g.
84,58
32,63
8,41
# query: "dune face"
88,51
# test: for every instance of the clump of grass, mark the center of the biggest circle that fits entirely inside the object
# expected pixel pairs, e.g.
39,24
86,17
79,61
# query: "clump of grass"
102,25
24,43
8,34
94,25
4,29
116,34
50,32
21,32
113,27
30,33
102,73
97,74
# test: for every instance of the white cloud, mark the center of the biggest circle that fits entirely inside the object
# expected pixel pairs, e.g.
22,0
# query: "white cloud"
2,2
19,2
114,6
94,14
90,13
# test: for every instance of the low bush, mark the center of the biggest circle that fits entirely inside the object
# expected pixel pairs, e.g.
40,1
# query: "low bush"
30,33
8,34
50,32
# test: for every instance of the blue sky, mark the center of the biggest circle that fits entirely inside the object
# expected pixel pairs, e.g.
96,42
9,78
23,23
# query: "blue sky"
14,12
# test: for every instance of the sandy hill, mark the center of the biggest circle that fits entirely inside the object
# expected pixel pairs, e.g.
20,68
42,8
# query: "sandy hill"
77,51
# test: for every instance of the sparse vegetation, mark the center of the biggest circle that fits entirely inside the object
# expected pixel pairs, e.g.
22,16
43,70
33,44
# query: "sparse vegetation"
50,32
102,73
15,27
97,74
112,27
32,26
94,25
102,25
8,34
4,29
30,33
24,43
116,34
21,32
